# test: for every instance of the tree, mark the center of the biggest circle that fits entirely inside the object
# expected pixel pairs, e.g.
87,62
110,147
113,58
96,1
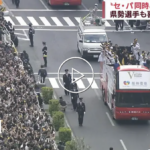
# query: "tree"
77,144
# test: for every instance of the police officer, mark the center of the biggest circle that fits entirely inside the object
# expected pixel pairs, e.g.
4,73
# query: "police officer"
67,81
42,73
73,85
74,98
17,2
31,33
44,50
81,111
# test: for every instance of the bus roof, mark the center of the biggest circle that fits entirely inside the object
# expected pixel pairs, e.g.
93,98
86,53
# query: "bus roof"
132,68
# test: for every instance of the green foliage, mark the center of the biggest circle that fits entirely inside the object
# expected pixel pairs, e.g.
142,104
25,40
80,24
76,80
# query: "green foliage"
47,94
64,134
58,120
76,145
53,106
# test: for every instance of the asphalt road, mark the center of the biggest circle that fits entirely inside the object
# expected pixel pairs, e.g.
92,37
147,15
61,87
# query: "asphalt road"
99,131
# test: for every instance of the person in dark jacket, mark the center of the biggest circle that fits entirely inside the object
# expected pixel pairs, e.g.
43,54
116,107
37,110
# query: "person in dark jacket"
40,99
73,85
67,81
42,73
81,111
25,55
74,98
31,34
44,50
17,2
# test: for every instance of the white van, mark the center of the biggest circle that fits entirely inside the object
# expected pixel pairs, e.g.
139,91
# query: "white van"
89,43
90,39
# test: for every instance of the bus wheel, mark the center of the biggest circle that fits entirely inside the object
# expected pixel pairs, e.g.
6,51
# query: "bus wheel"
103,96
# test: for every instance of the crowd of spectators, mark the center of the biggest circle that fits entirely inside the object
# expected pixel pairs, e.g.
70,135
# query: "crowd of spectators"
25,126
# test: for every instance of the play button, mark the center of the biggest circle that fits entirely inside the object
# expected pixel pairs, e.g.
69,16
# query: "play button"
77,79
81,73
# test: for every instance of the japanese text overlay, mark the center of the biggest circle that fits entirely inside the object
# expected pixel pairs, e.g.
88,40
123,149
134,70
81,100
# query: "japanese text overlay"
126,10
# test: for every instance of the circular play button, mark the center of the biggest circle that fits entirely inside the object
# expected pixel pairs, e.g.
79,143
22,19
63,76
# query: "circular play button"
76,73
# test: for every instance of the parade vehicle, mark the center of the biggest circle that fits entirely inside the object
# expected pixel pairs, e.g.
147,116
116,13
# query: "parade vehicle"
126,91
64,2
91,35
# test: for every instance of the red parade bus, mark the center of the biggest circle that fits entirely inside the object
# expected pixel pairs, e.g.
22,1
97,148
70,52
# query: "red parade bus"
64,2
127,92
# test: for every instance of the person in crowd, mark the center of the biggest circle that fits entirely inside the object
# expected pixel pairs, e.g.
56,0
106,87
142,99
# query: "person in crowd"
132,61
24,124
110,148
63,104
25,55
31,33
42,73
40,99
44,50
81,111
135,48
74,98
67,81
116,65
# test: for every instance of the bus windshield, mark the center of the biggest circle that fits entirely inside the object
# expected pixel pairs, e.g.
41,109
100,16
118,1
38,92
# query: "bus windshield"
133,99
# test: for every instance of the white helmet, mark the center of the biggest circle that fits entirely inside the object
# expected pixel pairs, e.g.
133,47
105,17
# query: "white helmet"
96,4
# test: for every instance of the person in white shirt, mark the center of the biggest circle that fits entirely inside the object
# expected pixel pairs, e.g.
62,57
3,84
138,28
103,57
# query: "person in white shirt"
135,48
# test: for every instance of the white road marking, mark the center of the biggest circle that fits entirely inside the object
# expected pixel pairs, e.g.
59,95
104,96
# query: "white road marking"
123,145
107,24
80,84
94,85
21,21
85,7
9,19
57,22
23,39
33,21
68,21
45,10
25,34
45,21
110,119
54,83
19,33
44,5
77,19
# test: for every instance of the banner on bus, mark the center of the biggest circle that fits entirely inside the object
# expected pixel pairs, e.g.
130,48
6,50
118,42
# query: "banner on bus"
134,80
126,9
